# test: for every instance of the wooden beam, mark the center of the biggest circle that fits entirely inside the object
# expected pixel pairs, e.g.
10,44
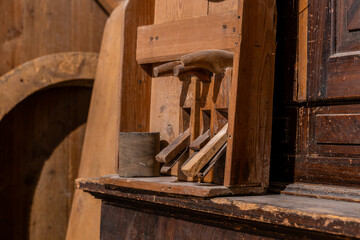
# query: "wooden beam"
200,141
251,95
169,41
174,148
109,5
193,167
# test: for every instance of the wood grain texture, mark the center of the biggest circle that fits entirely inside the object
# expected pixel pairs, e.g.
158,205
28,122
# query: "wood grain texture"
45,72
31,29
192,167
137,153
337,129
109,5
170,185
115,75
251,95
301,85
168,41
40,147
277,216
201,141
174,148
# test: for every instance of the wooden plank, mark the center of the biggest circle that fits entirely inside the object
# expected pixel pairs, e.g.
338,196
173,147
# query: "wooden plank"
192,167
251,95
169,185
107,112
200,141
216,7
174,148
173,164
169,41
109,5
337,129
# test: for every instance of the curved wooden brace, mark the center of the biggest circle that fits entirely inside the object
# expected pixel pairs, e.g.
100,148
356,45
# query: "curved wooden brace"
215,61
202,74
44,72
166,69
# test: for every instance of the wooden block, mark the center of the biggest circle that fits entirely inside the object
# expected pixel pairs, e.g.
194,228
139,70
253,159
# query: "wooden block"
174,148
191,168
200,141
168,41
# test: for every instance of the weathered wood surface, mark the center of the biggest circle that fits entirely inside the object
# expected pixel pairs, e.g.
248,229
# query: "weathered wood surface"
40,147
251,95
192,167
109,5
174,148
31,29
200,141
156,43
137,153
170,185
108,114
277,216
45,72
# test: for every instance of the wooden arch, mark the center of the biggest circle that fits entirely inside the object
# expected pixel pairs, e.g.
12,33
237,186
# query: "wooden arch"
45,72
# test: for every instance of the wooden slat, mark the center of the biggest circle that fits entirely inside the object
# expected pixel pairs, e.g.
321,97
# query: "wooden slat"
200,141
109,5
106,114
174,148
192,167
251,95
169,41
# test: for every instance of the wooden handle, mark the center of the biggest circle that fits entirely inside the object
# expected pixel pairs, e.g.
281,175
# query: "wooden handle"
215,61
202,74
166,69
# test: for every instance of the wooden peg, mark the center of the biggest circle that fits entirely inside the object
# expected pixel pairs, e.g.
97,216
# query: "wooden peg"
215,61
166,69
203,75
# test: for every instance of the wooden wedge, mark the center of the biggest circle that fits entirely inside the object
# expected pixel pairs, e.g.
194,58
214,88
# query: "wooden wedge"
192,168
200,141
174,148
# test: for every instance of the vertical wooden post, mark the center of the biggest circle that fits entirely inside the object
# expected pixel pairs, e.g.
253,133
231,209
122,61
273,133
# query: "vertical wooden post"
251,93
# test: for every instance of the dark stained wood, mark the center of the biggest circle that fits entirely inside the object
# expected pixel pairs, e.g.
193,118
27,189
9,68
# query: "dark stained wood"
137,151
174,148
170,185
274,216
251,95
40,147
353,16
337,129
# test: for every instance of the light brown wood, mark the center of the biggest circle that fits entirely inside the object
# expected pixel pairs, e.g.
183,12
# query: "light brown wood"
45,72
183,73
200,141
216,61
216,7
302,61
168,41
31,29
171,167
251,95
106,115
109,5
166,69
170,185
192,167
174,148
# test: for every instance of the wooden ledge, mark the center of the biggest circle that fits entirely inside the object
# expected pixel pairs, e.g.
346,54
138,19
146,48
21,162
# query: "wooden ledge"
292,213
170,185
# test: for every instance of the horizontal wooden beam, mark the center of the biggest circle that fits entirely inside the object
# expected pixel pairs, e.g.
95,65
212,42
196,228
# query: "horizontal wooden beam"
169,41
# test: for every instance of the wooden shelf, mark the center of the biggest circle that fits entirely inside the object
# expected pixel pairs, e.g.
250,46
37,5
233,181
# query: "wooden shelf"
170,185
283,216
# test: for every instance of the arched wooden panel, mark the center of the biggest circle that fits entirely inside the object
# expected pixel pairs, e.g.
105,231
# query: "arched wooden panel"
45,72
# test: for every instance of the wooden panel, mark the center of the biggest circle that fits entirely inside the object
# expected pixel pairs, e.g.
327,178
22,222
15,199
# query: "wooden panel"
337,128
124,223
169,41
216,7
251,96
38,154
31,29
113,108
353,16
